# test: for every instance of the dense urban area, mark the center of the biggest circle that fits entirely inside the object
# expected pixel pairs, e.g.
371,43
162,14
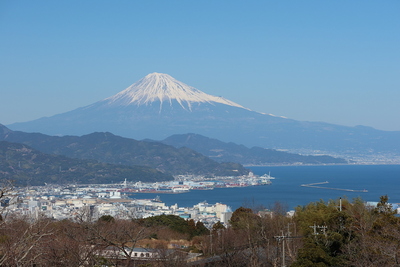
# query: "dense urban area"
99,225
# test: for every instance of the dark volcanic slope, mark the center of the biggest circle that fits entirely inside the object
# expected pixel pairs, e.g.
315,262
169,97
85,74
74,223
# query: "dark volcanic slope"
26,166
221,151
110,148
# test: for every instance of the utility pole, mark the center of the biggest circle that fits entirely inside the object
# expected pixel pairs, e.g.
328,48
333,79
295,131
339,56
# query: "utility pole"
211,246
283,238
279,239
315,227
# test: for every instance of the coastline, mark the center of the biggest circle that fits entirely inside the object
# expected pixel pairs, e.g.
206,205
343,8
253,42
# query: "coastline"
333,164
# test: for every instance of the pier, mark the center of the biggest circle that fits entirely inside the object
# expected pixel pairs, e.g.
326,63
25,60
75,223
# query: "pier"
316,185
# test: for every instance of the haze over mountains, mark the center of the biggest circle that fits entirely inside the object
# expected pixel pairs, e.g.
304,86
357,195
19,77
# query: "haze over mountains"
178,155
231,152
158,106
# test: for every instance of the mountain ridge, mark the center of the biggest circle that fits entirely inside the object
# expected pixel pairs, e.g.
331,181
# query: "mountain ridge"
158,118
222,151
27,166
109,148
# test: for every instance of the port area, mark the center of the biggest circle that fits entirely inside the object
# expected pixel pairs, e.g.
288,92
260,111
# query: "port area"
317,185
187,183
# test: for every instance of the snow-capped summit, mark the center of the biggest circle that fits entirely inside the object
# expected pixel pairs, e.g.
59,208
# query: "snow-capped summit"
158,106
160,87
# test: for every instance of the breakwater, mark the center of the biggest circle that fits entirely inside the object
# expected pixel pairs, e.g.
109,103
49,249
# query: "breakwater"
317,185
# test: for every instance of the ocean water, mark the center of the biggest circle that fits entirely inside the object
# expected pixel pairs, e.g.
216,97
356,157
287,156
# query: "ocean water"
286,189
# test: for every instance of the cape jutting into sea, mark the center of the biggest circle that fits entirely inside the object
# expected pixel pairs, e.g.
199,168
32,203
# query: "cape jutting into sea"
368,182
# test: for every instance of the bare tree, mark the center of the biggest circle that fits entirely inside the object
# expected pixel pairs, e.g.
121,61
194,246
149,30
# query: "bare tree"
121,235
23,241
6,188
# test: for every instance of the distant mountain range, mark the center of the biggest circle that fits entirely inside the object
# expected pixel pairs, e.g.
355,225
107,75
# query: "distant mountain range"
109,148
231,152
177,156
158,106
26,166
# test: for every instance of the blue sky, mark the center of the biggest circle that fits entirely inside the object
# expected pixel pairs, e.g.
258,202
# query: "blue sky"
331,61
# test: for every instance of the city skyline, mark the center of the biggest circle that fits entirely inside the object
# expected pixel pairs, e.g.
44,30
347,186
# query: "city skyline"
335,62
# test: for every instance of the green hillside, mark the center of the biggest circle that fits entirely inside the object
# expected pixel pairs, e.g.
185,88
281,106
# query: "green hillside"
27,166
109,148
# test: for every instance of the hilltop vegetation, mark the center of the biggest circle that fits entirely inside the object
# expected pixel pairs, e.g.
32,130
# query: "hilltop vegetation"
319,234
27,166
109,148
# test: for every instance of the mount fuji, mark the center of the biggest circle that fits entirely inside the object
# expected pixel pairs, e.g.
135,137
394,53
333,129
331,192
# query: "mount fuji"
158,106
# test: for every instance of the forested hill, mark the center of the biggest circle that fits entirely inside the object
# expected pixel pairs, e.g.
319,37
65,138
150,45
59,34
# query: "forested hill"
109,148
27,166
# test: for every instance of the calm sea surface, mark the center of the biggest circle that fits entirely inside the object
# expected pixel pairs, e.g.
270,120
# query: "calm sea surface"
377,179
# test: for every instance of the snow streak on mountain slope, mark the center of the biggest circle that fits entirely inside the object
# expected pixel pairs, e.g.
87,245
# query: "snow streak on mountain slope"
159,106
162,87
